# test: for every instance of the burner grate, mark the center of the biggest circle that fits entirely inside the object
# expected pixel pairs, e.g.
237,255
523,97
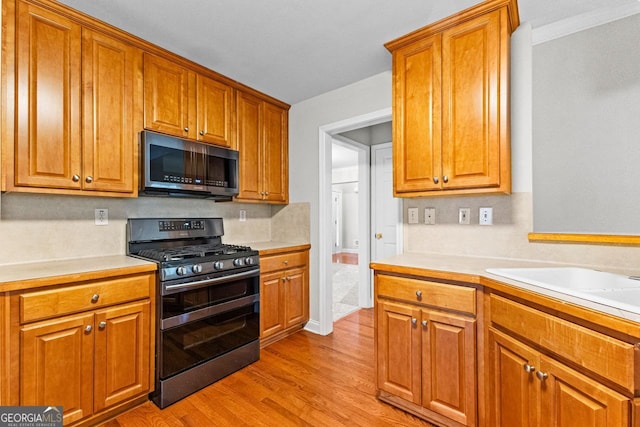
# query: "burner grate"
192,251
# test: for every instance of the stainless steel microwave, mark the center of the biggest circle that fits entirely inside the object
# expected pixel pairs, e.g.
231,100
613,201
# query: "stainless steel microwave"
172,166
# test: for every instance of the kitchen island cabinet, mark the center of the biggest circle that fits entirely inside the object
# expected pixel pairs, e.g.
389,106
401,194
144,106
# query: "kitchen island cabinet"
543,358
284,292
451,104
88,144
82,341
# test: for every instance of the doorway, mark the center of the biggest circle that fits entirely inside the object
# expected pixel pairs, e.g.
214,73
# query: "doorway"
327,135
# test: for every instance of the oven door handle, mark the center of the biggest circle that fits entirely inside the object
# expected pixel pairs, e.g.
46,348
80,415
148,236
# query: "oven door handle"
170,289
208,311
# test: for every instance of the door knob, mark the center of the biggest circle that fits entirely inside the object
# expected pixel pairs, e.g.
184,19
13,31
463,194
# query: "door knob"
378,236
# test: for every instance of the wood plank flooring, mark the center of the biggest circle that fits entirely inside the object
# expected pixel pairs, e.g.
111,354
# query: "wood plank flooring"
302,380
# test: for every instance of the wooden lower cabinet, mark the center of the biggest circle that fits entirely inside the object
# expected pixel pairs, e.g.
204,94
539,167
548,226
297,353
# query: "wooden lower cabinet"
284,293
531,389
426,356
90,362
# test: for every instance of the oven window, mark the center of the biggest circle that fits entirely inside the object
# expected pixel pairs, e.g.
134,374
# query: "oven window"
187,301
190,344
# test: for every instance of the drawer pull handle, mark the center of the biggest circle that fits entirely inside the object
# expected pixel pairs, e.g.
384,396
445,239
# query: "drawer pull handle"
102,325
95,298
529,368
424,323
542,375
414,320
88,329
286,262
419,294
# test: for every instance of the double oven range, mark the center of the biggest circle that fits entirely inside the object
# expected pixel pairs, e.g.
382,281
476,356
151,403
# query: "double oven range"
208,302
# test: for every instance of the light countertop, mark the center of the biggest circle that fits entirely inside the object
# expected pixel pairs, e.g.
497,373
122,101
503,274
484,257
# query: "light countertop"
473,270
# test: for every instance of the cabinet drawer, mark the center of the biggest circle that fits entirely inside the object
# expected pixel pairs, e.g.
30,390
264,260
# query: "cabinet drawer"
279,262
73,299
592,350
441,295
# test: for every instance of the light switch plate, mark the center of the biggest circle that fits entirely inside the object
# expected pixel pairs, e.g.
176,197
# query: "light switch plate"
486,216
412,214
464,216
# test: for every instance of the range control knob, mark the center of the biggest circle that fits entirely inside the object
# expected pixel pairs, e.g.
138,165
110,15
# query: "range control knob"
238,262
181,271
218,265
196,268
249,261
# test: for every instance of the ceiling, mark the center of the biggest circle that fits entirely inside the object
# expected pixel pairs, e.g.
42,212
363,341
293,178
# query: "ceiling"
296,49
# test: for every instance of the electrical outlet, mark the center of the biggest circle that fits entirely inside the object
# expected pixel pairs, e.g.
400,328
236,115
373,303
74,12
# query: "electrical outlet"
243,215
486,216
430,216
412,213
102,216
464,216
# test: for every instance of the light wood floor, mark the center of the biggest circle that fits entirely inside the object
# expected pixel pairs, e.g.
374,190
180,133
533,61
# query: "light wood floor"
302,380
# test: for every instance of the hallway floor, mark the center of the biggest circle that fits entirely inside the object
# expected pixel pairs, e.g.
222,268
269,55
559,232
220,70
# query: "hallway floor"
345,284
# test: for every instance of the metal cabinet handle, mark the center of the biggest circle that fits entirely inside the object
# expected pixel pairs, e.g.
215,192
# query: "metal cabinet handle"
201,132
286,262
88,328
414,320
95,298
419,294
542,375
445,179
102,325
424,323
186,129
435,180
529,368
75,178
89,179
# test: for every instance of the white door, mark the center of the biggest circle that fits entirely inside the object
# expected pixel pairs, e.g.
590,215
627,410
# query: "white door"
386,209
336,215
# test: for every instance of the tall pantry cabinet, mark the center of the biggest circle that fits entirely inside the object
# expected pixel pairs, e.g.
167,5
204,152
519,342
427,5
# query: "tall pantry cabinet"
451,104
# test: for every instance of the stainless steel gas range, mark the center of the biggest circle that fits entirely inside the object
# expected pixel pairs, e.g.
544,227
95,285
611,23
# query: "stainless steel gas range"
208,315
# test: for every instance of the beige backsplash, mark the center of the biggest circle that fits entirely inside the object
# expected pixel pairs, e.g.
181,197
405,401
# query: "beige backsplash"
507,238
48,227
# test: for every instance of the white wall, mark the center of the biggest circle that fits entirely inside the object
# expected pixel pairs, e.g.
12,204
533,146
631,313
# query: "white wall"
305,119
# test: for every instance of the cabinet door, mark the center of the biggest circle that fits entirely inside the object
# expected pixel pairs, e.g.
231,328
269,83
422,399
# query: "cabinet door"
214,109
296,298
471,102
271,308
275,154
416,116
47,151
514,386
571,399
56,365
109,68
169,97
249,144
398,352
449,366
122,345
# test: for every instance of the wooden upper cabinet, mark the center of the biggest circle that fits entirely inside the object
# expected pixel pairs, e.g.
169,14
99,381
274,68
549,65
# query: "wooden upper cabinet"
263,144
168,91
48,90
450,96
180,102
109,128
75,95
215,112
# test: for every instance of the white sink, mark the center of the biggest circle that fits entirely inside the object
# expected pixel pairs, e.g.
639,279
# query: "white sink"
614,290
567,278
